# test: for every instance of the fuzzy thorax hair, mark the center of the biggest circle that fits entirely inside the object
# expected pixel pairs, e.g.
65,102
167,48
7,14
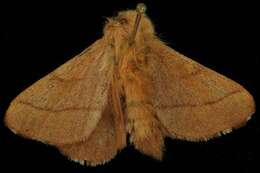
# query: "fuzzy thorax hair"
123,24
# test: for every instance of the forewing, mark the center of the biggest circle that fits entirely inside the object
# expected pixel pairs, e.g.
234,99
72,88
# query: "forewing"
192,101
66,105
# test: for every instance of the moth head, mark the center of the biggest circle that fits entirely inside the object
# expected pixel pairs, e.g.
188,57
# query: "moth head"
124,23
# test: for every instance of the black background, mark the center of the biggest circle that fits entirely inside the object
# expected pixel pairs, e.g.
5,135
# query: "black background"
39,36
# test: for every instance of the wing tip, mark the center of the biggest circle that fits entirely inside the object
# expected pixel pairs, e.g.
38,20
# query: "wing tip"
7,120
250,103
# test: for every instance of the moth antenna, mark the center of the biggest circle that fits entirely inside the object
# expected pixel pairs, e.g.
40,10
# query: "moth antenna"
140,9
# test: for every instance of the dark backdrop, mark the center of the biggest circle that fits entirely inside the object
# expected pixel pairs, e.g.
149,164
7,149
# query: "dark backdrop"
39,36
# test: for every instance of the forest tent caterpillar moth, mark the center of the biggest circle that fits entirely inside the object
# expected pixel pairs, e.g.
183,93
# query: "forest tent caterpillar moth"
127,82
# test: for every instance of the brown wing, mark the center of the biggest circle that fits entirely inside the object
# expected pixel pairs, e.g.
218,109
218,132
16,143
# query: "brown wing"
194,102
101,146
66,105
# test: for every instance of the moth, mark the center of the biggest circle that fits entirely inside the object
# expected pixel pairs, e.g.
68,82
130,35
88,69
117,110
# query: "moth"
128,86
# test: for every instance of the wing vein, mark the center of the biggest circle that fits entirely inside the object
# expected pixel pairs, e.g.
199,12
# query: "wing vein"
72,108
198,105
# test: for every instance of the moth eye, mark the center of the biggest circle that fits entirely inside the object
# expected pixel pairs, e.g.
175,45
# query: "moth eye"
123,21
